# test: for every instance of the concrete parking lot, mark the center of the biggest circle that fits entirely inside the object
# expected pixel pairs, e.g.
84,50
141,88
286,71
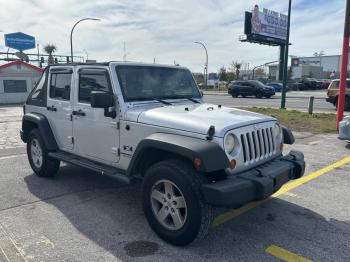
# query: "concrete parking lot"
81,216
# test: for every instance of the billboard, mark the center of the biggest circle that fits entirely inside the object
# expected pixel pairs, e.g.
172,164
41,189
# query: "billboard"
19,41
269,23
265,27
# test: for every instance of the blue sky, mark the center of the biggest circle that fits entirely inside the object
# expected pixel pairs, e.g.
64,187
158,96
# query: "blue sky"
166,30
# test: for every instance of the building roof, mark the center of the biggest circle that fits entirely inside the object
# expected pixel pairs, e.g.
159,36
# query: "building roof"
20,62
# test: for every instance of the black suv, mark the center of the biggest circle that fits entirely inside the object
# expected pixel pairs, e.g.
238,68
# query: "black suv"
250,88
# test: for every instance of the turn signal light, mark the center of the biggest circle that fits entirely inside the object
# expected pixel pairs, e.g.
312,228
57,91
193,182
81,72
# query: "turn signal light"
233,164
197,162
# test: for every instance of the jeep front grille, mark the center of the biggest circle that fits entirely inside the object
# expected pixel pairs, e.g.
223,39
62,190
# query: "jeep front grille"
258,144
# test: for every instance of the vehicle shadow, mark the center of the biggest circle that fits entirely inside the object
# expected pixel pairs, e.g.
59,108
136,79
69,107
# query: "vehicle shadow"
110,215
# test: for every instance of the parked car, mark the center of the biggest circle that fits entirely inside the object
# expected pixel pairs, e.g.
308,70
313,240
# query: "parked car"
325,83
250,88
276,86
306,84
148,123
333,92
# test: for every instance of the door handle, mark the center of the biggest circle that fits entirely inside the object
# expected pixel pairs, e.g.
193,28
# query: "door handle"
51,108
78,113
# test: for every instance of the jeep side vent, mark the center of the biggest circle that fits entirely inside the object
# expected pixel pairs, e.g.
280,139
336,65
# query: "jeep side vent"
257,145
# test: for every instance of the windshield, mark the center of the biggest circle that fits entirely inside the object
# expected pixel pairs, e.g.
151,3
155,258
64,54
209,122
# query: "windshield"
151,82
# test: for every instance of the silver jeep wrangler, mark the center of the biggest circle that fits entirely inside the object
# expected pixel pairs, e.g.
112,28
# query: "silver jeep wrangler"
146,122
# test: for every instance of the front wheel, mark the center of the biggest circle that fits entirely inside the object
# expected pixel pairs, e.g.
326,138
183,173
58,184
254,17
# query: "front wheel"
173,203
38,157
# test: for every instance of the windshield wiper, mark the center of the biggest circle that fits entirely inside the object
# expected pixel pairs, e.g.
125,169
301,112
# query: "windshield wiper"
185,97
161,101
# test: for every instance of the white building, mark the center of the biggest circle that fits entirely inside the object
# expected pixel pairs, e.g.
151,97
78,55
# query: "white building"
317,66
17,79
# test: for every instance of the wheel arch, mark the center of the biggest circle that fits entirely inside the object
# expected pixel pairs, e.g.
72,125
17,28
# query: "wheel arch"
161,146
39,121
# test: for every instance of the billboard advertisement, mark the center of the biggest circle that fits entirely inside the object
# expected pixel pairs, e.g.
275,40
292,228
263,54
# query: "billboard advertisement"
19,41
269,23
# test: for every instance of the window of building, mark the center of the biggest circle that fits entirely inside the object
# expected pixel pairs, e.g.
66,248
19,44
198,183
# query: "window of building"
15,86
92,80
60,85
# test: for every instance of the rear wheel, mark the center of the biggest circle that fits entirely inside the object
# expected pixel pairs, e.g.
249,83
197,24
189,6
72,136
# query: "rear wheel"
38,157
173,203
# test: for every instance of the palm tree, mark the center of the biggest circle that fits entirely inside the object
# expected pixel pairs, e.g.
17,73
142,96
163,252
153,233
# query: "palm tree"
50,49
236,66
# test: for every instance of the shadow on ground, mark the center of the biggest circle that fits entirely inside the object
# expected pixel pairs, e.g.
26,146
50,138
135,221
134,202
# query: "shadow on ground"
111,216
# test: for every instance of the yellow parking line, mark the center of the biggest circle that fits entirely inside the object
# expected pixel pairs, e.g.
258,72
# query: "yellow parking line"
285,255
220,219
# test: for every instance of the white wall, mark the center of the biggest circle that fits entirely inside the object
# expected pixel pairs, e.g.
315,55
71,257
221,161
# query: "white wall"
17,73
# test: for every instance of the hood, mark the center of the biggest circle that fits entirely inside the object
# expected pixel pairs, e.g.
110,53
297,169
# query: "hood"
196,117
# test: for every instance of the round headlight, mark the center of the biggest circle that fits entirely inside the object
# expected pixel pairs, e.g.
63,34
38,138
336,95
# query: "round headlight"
229,143
277,129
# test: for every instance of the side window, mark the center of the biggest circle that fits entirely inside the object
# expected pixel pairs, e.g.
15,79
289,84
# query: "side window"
60,84
92,80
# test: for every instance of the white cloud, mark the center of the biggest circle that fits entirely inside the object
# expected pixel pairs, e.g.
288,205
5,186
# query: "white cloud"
167,29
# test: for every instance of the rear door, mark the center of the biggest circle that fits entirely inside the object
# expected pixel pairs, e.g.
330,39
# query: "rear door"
96,136
59,105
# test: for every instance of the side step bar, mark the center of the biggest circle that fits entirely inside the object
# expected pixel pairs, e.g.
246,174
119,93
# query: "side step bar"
97,167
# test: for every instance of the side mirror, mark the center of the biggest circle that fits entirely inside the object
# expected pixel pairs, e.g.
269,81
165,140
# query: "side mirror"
100,99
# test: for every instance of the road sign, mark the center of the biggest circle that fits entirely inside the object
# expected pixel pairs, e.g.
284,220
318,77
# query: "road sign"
19,41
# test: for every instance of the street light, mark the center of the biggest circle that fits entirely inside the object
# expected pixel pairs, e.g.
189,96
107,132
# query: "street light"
71,33
206,64
268,63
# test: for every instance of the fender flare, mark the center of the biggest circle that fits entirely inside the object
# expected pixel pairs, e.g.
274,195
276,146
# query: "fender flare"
212,156
288,137
41,122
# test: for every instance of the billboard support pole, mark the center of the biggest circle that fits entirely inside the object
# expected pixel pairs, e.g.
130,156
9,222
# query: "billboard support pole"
285,68
344,66
281,63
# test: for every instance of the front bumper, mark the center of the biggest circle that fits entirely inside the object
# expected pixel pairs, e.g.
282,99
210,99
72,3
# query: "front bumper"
255,184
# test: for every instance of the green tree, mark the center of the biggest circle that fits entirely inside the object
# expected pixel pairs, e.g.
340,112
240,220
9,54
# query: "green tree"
231,76
223,74
50,49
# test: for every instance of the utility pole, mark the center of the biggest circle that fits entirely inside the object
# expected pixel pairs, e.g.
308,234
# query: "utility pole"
344,65
285,68
71,33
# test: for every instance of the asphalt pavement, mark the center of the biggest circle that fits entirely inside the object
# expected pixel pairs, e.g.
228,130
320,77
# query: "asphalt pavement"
82,216
295,100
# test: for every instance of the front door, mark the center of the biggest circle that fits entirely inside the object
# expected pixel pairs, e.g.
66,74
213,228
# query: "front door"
59,106
96,136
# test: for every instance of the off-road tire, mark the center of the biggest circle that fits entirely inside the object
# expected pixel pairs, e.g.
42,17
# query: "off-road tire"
199,214
49,166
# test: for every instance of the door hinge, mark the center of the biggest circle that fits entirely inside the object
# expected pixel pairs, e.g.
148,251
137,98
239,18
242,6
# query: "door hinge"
116,151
